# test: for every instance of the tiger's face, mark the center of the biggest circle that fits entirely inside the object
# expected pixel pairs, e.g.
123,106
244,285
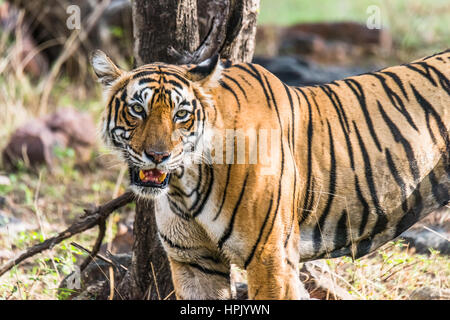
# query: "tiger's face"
155,117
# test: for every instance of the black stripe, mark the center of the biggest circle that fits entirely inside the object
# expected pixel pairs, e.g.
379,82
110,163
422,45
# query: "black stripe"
399,138
229,229
282,160
124,115
209,271
293,267
437,54
398,179
227,87
368,173
291,104
363,247
174,245
359,93
294,205
245,80
313,96
365,211
398,81
116,111
237,84
429,110
204,195
227,182
175,84
143,74
425,73
179,77
108,118
413,215
261,230
443,80
310,131
396,101
317,236
343,122
334,98
439,191
341,233
147,80
255,74
381,221
177,210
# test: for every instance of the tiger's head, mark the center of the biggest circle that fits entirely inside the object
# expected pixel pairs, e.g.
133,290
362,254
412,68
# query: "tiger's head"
155,116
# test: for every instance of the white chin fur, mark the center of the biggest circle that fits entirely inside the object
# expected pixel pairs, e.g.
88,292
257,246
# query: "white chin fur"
147,193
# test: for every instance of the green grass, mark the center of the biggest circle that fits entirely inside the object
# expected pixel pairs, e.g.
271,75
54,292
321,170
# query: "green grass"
413,23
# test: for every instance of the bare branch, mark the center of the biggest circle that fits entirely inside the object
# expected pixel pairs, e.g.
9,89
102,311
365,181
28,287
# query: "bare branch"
90,219
109,259
97,245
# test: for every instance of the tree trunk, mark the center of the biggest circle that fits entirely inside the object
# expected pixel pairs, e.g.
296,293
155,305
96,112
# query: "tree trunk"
159,25
149,276
243,47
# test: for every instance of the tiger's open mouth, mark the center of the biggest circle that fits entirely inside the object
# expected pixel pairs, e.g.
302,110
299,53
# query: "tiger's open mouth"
153,178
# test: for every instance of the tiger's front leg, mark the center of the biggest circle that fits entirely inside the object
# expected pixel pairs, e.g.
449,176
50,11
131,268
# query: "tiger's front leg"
193,281
273,273
272,278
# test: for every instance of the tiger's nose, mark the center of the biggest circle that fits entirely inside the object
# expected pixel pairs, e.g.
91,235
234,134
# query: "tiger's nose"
156,156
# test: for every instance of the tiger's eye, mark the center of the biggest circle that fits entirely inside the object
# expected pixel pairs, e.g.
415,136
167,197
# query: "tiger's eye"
137,108
181,114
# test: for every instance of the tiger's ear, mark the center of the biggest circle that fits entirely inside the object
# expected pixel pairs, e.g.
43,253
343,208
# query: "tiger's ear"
207,73
107,72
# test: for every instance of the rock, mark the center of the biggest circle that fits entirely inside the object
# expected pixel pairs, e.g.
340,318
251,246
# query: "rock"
430,293
423,239
78,128
324,42
10,225
34,142
299,72
349,32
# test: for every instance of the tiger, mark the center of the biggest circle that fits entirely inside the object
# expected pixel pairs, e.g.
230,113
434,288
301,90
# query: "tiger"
347,166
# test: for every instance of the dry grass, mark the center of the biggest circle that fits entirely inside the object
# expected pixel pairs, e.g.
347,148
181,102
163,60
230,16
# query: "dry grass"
393,273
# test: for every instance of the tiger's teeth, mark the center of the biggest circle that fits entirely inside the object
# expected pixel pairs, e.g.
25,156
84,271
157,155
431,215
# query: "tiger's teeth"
162,177
141,175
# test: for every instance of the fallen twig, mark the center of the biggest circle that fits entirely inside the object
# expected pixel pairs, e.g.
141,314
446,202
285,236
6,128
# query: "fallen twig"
111,262
97,245
90,219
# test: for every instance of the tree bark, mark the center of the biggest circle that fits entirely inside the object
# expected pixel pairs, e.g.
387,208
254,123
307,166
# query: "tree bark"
159,25
243,47
149,273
